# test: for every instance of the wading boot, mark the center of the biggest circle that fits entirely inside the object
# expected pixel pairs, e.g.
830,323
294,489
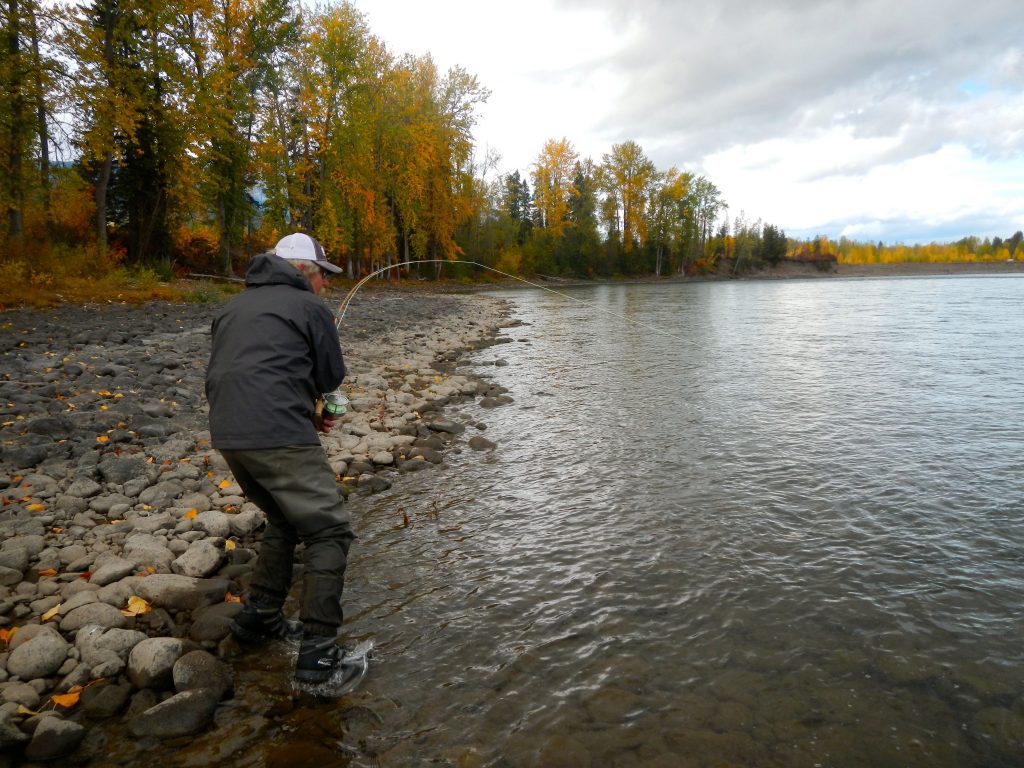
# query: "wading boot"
320,658
257,623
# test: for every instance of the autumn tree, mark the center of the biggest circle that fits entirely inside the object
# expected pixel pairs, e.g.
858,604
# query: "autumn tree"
552,184
628,175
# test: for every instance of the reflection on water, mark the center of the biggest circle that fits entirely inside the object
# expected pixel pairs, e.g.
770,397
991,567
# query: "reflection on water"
789,534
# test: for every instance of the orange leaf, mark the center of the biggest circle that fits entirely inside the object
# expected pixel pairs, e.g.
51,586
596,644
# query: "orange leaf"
7,634
191,513
48,572
224,484
50,613
229,545
136,606
36,507
69,699
102,439
229,598
104,392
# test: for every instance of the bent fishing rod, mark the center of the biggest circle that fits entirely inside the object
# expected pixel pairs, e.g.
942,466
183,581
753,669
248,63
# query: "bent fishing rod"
343,307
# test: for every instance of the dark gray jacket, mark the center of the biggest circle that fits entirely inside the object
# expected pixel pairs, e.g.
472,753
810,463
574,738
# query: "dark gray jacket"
275,349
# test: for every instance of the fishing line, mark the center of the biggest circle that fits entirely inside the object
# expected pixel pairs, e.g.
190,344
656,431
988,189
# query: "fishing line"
343,307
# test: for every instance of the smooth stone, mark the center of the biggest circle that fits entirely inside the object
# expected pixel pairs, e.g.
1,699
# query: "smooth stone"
54,737
151,662
213,523
478,443
111,571
199,669
20,693
185,593
41,656
104,700
200,560
183,714
95,613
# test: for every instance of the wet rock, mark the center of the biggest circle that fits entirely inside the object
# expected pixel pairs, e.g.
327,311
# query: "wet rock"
54,737
199,669
442,424
9,576
183,714
15,558
39,657
10,734
104,700
478,443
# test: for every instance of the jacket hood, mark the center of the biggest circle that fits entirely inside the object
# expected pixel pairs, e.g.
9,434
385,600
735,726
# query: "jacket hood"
270,269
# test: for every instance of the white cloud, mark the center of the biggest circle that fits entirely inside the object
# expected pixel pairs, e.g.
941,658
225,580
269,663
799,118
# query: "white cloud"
901,120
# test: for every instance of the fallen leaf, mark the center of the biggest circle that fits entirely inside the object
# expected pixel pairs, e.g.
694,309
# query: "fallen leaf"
69,699
102,439
224,484
229,545
7,634
136,606
104,392
36,507
48,572
191,513
51,613
23,710
229,598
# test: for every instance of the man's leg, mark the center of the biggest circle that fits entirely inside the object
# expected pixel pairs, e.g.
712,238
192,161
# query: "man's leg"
302,486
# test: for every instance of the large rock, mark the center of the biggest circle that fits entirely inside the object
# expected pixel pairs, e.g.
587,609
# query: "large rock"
111,570
41,656
151,662
54,737
94,613
10,734
213,523
201,559
181,593
182,714
119,470
199,669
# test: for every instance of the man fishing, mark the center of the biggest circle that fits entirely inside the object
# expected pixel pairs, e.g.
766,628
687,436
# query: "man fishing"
275,350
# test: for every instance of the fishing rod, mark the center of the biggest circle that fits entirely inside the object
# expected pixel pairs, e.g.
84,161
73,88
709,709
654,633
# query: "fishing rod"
343,307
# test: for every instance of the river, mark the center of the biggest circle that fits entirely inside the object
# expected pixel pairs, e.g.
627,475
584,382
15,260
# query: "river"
751,523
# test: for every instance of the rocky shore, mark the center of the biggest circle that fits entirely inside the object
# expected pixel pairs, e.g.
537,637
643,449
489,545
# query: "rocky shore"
124,541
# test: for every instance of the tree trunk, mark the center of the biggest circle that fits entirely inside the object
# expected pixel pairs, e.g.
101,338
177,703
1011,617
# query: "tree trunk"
102,184
225,236
41,131
16,190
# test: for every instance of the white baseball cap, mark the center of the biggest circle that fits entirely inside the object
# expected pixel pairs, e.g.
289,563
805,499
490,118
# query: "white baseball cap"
302,247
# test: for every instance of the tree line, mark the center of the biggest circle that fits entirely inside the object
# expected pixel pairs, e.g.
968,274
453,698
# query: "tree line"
189,136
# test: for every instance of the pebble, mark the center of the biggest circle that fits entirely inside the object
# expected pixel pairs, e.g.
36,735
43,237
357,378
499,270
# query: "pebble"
112,491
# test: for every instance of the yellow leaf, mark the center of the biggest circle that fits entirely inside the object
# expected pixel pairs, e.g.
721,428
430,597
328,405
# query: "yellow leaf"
103,408
48,572
136,606
23,710
36,507
191,513
51,613
69,699
229,545
224,484
104,392
102,439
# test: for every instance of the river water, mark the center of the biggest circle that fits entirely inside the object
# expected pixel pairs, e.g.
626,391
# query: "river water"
759,523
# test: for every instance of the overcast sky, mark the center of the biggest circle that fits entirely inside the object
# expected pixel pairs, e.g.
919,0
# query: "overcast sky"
893,120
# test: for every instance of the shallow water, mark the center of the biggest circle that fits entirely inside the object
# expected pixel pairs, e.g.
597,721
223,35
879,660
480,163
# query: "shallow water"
785,529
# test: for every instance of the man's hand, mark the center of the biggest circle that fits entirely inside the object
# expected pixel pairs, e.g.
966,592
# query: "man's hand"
325,424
